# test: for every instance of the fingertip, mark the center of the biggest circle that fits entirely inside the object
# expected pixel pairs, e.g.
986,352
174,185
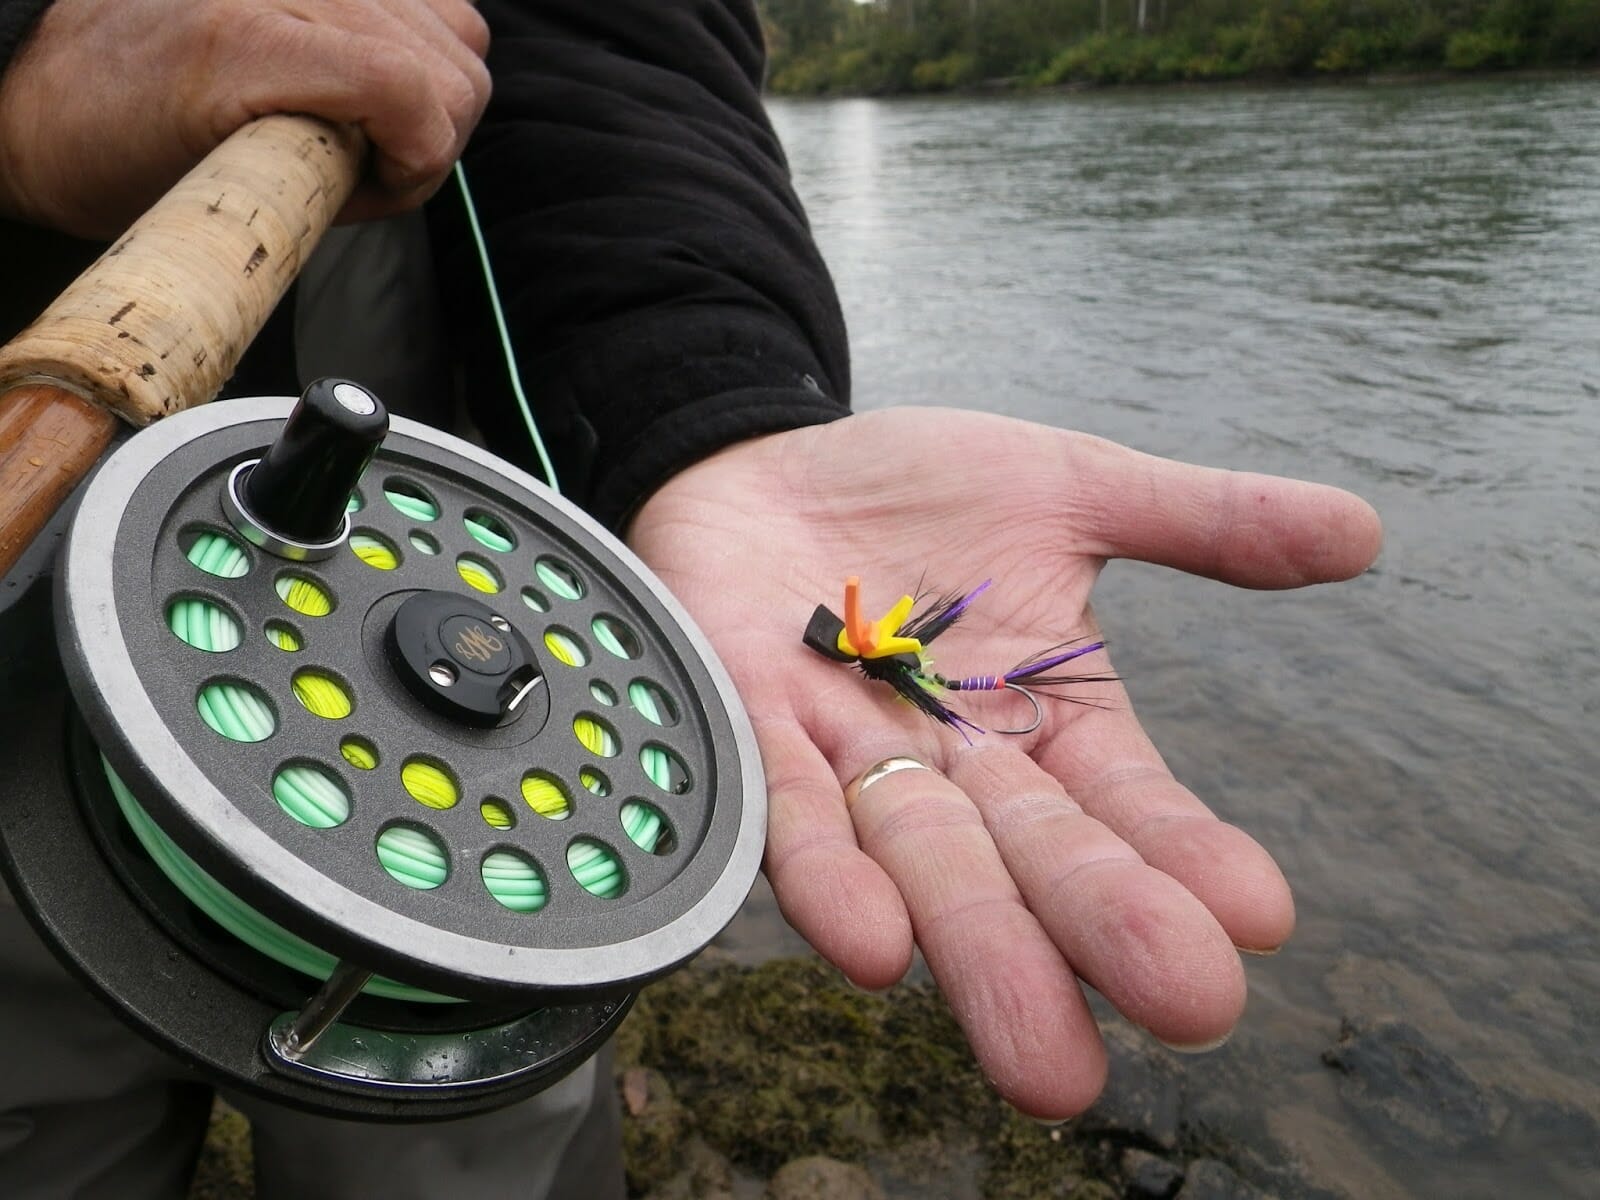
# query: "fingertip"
1054,1098
1229,872
1147,944
841,902
1052,1080
415,160
1200,1015
879,972
372,202
1345,541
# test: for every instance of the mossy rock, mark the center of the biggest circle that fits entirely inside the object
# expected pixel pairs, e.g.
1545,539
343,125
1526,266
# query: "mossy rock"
786,1060
226,1170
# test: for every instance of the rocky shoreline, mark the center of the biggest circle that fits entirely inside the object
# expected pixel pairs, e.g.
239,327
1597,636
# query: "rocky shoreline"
780,1081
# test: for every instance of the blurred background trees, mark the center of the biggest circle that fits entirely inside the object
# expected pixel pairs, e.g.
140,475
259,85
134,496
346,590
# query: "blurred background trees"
881,46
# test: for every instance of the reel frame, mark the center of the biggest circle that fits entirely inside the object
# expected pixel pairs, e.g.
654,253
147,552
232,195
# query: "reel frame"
576,975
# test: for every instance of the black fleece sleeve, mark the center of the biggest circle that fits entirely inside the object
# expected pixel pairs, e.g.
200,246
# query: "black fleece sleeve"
16,22
663,292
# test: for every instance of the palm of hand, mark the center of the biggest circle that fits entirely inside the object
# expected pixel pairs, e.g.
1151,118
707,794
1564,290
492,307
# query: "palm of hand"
1028,862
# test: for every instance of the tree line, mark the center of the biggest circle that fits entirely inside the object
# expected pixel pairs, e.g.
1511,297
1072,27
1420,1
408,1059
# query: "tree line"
884,46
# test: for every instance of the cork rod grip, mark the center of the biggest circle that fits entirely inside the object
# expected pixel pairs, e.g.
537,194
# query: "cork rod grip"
159,321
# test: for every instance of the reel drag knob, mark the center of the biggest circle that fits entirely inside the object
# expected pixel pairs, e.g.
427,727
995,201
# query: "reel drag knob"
463,660
291,501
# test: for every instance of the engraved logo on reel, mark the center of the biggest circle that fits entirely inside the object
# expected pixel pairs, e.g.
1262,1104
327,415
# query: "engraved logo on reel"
478,644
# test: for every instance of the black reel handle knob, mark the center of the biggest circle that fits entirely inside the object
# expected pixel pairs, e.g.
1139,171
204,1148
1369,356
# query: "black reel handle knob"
297,493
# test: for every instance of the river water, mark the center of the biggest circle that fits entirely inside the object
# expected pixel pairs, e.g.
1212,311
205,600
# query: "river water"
1395,289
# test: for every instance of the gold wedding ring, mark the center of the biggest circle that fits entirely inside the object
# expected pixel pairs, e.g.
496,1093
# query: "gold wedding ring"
880,770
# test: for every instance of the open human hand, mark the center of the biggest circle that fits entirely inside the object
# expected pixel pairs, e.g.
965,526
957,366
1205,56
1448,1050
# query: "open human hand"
1019,864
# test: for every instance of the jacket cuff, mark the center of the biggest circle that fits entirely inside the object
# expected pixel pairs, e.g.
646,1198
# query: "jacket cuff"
697,431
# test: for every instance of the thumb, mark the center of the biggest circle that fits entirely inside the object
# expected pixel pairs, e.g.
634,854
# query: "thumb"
1258,531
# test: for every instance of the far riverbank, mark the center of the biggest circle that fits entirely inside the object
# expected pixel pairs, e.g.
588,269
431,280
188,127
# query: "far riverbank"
895,47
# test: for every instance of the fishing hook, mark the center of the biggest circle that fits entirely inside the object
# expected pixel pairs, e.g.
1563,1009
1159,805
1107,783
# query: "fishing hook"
1038,713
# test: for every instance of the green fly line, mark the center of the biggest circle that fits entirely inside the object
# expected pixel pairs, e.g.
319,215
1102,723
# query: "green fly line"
238,918
656,763
219,555
512,372
306,793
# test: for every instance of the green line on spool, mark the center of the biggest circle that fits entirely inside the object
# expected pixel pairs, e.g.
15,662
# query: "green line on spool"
252,722
238,918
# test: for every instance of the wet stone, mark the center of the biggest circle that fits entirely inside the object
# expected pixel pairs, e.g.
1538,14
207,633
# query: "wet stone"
655,1131
1143,1093
1208,1179
1405,1088
1149,1176
706,1175
819,1178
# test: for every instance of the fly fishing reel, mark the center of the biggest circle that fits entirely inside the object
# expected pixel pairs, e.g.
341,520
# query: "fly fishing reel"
390,792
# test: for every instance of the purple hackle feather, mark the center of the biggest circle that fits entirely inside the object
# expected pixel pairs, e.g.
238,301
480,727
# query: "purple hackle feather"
1028,670
961,605
940,614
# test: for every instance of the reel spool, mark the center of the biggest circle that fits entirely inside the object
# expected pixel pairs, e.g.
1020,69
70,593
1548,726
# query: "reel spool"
403,786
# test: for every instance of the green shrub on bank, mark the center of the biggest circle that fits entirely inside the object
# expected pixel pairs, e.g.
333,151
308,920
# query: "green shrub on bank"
810,76
1479,50
945,74
937,45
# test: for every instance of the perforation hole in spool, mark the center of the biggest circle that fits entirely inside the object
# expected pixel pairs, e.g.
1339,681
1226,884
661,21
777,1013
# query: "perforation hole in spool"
429,783
558,578
647,828
423,543
615,636
497,814
413,856
650,701
603,693
535,600
284,636
322,695
596,736
489,531
238,711
312,795
565,646
374,550
597,868
478,575
664,768
355,504
303,594
359,753
411,500
546,795
514,880
594,781
204,625
214,552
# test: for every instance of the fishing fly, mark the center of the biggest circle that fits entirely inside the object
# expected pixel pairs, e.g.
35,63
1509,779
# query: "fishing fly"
894,650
